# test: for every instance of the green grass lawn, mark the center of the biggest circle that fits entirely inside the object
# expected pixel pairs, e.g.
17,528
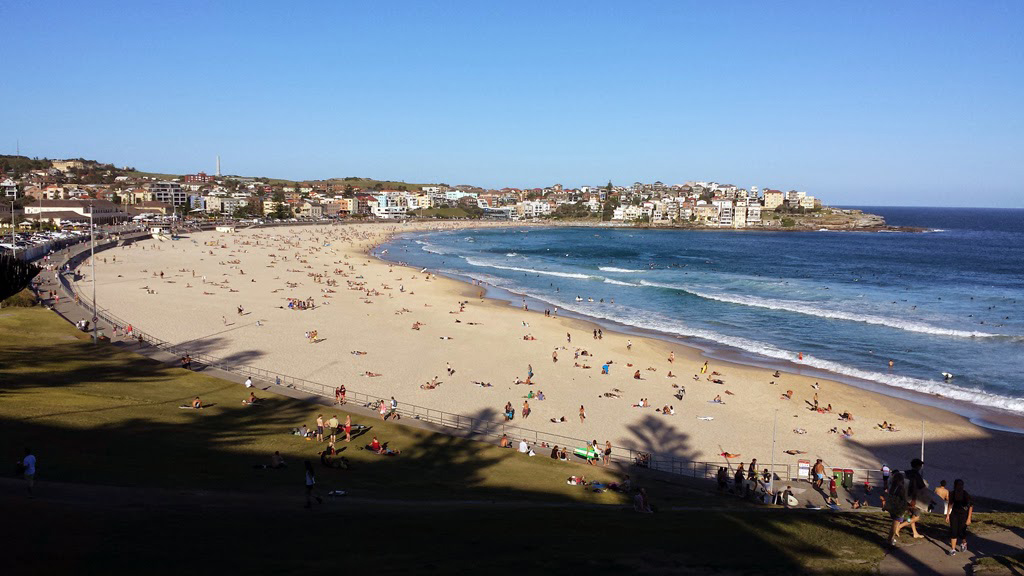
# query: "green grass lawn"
440,213
104,416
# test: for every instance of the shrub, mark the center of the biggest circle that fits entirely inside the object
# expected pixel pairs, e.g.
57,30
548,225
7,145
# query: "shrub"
24,299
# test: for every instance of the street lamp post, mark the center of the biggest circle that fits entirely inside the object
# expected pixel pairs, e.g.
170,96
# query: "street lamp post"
92,257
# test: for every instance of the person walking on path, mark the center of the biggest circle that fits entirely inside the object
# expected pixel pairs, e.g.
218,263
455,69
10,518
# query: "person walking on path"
818,472
28,465
958,516
311,486
917,492
942,493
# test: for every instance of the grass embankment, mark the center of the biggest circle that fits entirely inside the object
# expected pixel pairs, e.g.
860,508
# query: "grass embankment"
440,213
103,416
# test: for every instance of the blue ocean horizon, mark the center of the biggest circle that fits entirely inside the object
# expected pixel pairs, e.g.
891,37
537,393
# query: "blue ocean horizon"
950,299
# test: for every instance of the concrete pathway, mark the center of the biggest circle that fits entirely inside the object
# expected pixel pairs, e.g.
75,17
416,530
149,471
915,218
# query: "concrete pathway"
928,557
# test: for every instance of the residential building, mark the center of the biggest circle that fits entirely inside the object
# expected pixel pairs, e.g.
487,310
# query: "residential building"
773,199
311,210
61,211
9,188
169,192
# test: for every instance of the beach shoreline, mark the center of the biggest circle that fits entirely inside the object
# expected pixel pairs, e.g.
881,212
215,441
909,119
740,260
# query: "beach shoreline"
985,416
487,340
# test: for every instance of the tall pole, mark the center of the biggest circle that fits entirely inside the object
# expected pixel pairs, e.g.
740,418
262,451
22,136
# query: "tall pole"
14,245
92,257
922,440
771,474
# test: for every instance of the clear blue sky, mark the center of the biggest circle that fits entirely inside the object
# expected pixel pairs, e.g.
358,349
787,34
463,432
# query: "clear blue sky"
872,103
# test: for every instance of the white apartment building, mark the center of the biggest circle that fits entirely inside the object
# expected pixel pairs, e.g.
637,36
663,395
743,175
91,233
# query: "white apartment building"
168,193
753,214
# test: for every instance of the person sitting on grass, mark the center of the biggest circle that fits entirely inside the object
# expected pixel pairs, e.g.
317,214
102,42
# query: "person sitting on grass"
276,461
251,400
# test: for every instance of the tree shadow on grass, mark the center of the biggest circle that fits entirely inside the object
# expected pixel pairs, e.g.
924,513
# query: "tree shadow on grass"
137,437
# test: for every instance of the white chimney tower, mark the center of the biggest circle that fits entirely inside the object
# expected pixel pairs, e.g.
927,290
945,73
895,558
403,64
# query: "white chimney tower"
218,166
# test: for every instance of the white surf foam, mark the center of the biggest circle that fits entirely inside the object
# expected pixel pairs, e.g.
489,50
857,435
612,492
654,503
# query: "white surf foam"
811,310
931,387
619,283
614,269
475,262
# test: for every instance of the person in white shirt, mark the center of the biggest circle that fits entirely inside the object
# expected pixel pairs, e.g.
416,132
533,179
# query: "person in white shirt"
29,465
523,446
248,382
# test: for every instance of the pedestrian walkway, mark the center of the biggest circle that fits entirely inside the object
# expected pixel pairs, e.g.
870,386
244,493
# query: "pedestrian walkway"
928,557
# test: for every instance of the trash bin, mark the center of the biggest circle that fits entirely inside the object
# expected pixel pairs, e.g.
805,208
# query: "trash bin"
837,473
848,479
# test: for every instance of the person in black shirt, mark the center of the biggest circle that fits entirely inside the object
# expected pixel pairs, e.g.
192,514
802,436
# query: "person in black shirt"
958,516
916,488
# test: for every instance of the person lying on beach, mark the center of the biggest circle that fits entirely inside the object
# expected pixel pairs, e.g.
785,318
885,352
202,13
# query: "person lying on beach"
649,368
416,325
445,338
611,395
680,393
888,427
371,374
848,432
799,431
359,353
729,393
529,337
787,396
730,455
558,420
795,452
846,417
482,384
670,375
431,385
716,380
696,378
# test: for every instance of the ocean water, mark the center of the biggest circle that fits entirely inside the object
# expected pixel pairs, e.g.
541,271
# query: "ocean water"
947,300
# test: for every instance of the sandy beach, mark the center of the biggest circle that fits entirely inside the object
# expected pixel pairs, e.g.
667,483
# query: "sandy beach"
363,311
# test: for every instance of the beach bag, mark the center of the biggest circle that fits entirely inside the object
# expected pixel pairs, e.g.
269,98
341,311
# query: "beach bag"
897,502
